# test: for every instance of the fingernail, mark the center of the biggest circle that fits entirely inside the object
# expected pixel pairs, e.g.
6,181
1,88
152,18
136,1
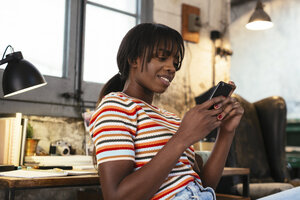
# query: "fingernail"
219,117
217,106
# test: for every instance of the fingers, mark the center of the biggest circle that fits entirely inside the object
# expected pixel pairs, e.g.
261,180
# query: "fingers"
210,103
231,107
233,87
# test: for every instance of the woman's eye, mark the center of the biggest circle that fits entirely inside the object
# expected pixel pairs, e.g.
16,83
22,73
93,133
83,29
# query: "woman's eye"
176,65
162,58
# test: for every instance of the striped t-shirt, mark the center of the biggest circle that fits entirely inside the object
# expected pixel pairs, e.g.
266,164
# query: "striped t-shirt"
126,128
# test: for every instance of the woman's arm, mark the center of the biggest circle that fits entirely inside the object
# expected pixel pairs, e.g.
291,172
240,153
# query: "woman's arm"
120,181
213,168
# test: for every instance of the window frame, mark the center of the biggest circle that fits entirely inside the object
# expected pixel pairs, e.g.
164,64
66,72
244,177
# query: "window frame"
49,100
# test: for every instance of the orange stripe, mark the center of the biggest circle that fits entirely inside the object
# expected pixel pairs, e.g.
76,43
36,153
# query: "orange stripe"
149,151
166,122
113,157
112,128
112,116
152,143
161,129
165,192
113,147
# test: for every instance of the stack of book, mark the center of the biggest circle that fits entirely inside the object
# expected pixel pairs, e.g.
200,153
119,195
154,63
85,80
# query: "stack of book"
12,139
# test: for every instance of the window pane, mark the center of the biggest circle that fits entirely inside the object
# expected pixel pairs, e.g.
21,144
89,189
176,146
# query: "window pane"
36,28
124,5
103,34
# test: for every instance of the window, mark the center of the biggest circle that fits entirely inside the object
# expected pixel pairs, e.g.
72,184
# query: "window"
40,41
100,52
67,40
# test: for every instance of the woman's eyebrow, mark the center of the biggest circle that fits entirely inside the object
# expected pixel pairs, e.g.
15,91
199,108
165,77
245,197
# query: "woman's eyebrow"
168,52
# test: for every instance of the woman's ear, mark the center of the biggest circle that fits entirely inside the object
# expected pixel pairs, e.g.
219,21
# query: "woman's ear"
133,63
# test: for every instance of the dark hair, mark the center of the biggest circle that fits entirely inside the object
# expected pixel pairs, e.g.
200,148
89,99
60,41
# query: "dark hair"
141,42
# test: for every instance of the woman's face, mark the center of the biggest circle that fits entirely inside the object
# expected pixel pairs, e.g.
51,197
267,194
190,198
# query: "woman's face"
157,75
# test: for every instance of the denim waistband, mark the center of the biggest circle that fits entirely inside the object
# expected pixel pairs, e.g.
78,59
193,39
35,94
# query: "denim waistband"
195,191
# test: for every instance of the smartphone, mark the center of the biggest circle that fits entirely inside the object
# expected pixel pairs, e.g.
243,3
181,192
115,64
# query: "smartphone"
222,88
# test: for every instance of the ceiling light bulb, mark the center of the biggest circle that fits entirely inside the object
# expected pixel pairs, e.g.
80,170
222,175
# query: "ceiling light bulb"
259,20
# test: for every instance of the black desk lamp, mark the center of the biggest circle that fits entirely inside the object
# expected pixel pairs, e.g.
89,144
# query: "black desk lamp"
19,75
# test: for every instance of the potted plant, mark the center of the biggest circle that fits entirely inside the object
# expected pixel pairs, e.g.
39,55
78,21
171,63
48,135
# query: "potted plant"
31,143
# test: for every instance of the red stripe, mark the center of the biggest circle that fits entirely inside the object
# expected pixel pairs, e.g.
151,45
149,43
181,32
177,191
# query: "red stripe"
186,163
112,129
150,145
166,120
114,148
118,110
172,190
131,113
148,126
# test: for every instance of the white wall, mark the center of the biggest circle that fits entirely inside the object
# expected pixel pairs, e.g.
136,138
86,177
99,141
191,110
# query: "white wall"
195,75
267,63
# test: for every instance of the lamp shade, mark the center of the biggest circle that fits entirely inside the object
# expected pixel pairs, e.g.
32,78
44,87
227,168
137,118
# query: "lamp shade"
259,20
20,75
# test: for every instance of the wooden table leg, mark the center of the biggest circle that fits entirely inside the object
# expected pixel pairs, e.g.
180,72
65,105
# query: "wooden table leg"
9,194
245,185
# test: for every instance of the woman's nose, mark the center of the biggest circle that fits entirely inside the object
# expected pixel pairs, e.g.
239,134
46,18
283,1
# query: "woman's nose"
169,65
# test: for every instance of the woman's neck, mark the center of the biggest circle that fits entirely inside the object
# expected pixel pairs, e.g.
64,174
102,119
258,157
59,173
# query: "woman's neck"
148,98
142,94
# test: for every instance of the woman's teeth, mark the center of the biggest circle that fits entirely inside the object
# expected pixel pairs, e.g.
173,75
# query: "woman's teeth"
165,79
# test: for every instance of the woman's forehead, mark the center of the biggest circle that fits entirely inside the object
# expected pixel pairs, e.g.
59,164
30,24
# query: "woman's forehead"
166,47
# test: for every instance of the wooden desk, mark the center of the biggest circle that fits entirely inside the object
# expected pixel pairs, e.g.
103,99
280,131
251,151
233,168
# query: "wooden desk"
10,185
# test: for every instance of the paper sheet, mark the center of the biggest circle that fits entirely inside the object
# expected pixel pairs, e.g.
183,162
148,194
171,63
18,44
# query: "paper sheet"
33,173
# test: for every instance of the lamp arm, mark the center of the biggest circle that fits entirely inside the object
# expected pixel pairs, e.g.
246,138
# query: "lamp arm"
6,60
15,55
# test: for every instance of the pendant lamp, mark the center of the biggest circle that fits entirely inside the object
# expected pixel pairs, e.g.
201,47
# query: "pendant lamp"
259,20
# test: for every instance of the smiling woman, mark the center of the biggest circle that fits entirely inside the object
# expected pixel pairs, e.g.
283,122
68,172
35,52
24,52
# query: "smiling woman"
136,141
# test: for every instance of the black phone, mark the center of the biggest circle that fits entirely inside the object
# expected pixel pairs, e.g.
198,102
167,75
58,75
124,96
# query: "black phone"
222,88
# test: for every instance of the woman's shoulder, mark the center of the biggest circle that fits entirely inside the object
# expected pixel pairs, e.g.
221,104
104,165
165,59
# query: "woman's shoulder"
116,97
116,102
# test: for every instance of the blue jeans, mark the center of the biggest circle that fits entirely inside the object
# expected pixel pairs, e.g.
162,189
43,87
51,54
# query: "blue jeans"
195,191
291,194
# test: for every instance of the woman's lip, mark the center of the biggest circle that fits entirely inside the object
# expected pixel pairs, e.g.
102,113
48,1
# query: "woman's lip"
165,80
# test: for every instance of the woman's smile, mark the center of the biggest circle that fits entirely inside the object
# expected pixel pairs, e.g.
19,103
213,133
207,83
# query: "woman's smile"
166,80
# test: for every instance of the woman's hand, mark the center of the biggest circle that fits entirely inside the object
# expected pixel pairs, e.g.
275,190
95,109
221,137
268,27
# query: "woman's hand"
232,113
200,121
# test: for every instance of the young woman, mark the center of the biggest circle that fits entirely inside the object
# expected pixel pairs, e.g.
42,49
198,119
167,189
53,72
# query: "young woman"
144,152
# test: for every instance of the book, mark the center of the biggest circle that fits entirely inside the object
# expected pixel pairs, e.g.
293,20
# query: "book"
11,139
4,138
23,142
72,160
23,173
37,173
